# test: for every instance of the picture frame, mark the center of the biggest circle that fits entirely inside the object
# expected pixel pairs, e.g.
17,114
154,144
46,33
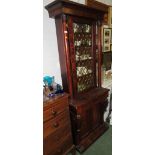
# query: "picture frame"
110,47
107,39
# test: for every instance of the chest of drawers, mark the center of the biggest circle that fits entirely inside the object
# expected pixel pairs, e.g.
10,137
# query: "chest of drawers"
57,137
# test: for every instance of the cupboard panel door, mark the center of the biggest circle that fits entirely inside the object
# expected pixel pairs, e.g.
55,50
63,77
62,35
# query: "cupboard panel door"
98,110
86,122
97,114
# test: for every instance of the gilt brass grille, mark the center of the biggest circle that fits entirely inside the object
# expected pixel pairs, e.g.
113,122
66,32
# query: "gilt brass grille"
83,56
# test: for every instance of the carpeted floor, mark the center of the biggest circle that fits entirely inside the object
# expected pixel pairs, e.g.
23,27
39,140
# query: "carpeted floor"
103,146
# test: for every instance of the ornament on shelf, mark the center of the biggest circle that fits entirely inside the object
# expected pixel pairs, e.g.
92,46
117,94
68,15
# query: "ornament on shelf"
51,88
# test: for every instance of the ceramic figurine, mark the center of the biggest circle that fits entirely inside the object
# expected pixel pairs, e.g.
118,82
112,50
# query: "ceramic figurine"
51,88
59,89
46,91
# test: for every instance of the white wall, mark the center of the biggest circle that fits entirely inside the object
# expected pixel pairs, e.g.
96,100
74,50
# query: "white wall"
79,1
109,2
51,64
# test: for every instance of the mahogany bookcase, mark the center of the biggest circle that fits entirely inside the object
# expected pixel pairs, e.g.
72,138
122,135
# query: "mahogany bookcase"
78,30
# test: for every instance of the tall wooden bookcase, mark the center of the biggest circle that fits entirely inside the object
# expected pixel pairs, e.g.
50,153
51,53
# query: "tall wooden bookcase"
79,44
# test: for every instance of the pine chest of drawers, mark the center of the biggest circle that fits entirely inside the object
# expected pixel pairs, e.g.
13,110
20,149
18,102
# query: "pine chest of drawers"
57,136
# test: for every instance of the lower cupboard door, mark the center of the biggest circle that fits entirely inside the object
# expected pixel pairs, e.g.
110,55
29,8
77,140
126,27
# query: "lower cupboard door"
97,114
85,122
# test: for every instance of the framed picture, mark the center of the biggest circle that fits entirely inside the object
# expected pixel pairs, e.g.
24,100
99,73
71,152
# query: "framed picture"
110,47
107,39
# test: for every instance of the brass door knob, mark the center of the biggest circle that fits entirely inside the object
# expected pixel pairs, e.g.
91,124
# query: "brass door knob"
55,125
54,112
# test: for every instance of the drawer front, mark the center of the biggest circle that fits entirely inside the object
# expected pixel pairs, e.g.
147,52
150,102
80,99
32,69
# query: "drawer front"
58,148
59,134
47,114
100,99
55,109
57,123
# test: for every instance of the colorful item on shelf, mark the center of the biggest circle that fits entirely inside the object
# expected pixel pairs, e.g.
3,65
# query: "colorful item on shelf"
48,80
51,88
59,89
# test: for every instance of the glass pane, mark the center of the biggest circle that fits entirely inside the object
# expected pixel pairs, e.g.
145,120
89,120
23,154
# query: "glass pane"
84,57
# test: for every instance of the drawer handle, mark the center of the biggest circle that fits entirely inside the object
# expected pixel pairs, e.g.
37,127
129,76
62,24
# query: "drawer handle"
55,125
54,113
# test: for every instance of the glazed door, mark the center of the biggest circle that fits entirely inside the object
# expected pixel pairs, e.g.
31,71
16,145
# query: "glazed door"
82,38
